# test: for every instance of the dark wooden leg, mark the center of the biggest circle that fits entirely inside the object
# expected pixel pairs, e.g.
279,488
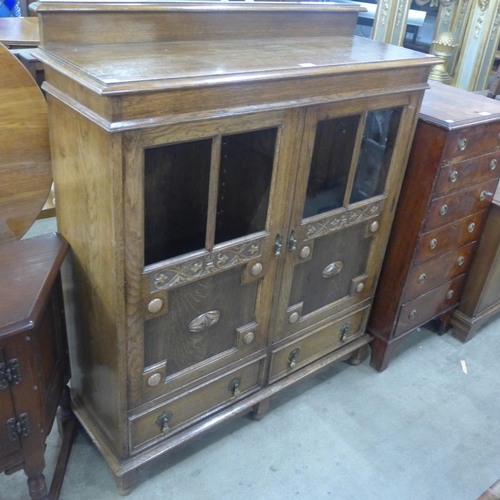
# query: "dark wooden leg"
359,355
125,483
67,425
441,324
259,410
37,487
382,352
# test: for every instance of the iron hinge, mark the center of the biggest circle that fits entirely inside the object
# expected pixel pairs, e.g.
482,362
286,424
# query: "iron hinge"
18,428
10,374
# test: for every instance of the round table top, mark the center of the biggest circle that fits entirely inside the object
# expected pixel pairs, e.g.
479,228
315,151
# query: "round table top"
25,167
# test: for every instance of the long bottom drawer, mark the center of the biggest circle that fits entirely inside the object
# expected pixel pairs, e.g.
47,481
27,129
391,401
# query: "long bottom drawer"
161,421
316,344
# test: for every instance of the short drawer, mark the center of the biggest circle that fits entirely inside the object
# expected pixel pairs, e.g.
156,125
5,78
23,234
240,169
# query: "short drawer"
456,176
457,205
471,142
316,344
429,305
155,424
446,238
436,271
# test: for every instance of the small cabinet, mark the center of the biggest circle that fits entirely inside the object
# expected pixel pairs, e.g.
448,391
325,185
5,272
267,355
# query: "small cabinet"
480,300
226,178
449,183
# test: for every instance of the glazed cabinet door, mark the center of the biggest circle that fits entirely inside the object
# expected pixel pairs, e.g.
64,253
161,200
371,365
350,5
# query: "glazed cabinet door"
203,210
335,235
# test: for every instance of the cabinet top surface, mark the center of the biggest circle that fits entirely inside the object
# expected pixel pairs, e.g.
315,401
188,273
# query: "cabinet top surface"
452,108
122,68
28,269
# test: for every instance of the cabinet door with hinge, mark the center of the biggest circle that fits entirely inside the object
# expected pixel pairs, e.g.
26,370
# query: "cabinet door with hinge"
9,439
337,231
203,201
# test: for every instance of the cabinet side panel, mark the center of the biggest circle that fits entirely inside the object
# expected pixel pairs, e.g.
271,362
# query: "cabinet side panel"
87,174
410,213
481,288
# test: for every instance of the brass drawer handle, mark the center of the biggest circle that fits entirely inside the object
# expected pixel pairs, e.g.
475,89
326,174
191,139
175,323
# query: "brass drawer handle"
443,210
471,227
162,421
293,357
484,195
433,243
344,330
333,269
460,260
204,321
234,387
462,144
454,176
493,164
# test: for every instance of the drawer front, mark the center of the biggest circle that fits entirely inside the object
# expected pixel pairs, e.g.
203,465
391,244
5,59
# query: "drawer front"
158,423
316,344
446,238
436,271
472,142
429,305
456,176
460,204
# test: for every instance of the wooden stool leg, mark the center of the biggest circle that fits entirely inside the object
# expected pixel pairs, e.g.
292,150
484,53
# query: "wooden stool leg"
67,425
37,487
259,410
125,483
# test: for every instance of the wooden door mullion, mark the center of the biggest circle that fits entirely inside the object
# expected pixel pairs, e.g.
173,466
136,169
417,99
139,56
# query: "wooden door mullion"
355,157
213,193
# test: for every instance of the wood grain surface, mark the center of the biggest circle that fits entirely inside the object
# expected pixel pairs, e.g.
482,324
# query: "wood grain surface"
25,169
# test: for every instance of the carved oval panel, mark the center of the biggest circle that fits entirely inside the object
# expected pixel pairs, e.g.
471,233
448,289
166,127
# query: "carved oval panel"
204,321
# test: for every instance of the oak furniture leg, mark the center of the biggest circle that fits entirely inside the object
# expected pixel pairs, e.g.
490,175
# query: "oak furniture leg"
260,409
126,482
359,355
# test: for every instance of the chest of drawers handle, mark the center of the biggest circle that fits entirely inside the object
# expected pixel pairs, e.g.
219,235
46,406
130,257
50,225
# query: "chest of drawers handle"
493,164
484,195
443,210
422,277
462,144
454,176
433,243
460,260
449,295
471,227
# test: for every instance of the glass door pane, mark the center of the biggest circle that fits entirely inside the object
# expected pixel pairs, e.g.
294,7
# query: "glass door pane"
375,156
330,164
246,168
176,187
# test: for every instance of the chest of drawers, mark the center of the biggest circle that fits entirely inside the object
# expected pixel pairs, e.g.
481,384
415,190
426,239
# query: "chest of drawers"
480,298
449,183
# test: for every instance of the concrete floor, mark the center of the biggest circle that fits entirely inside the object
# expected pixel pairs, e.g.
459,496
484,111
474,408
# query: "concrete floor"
421,430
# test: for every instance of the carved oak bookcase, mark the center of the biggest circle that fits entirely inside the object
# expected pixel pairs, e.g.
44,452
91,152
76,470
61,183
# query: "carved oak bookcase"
226,176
